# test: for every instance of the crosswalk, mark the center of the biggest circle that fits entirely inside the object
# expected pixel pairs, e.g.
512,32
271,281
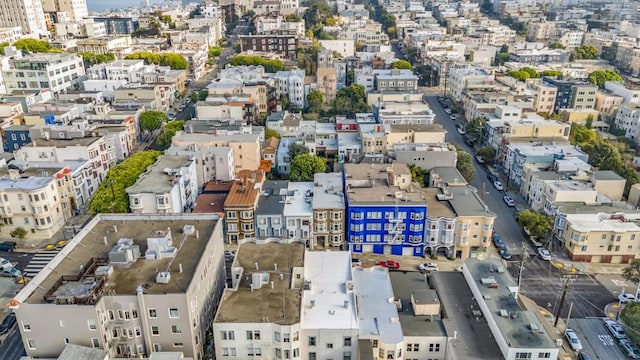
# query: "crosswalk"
40,259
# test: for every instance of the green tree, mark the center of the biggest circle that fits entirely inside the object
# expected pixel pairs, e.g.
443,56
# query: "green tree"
556,45
537,224
163,140
91,59
487,152
269,133
630,316
464,164
632,177
292,18
632,271
419,175
401,64
350,100
111,196
35,46
152,120
314,101
551,73
524,73
214,51
585,52
599,77
2,46
304,166
474,129
202,94
270,66
284,101
351,77
296,149
19,233
603,155
581,134
174,61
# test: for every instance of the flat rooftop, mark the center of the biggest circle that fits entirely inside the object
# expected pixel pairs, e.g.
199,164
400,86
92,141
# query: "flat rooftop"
370,184
125,280
519,327
328,304
417,128
83,141
327,191
466,202
532,149
582,208
210,203
604,222
156,179
373,289
459,308
437,208
280,305
28,183
299,198
271,197
449,175
404,284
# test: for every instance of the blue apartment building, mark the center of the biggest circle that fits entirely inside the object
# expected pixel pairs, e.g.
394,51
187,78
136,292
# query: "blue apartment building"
385,214
16,136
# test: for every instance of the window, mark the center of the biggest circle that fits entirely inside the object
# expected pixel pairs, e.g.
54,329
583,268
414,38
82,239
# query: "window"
295,336
329,346
231,215
286,338
232,227
278,353
434,347
347,341
92,325
312,356
175,329
227,335
523,355
95,342
178,344
296,353
253,335
276,336
155,331
153,314
173,313
31,343
545,355
26,326
312,341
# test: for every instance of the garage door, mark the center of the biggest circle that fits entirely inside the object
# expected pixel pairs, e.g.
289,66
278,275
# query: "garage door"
596,258
616,259
367,248
407,251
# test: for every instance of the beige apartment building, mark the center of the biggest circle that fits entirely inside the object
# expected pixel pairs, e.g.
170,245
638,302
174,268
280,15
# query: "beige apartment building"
328,211
544,95
246,147
601,237
105,44
326,83
545,129
607,102
240,205
380,139
102,292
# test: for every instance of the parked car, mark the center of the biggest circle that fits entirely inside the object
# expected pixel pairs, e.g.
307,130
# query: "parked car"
5,264
491,177
615,329
480,159
498,185
507,199
7,323
448,111
13,272
469,141
505,254
584,356
544,254
229,254
453,117
390,264
630,348
626,297
427,267
356,262
573,340
8,246
497,241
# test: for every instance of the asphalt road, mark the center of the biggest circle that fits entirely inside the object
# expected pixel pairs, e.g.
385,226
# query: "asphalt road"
596,339
544,283
12,347
505,223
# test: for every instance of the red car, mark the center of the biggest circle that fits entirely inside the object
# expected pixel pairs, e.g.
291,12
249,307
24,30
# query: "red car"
390,264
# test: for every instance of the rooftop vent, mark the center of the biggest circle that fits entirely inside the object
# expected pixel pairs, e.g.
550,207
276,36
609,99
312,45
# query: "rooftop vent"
163,277
188,229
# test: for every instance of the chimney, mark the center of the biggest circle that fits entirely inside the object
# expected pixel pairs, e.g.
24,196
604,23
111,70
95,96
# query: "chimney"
14,174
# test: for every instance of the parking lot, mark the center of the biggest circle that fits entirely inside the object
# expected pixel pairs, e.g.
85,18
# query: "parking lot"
543,283
596,339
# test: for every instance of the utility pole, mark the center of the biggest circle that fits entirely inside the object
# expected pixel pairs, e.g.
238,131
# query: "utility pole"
566,325
567,279
522,261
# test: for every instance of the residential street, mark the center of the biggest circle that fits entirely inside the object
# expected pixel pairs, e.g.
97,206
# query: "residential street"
505,224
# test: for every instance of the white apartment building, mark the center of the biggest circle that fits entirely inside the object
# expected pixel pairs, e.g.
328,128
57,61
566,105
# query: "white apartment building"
28,14
461,79
345,47
570,39
32,203
74,9
10,34
168,186
298,212
117,298
291,84
127,70
212,163
629,95
628,119
80,29
57,72
92,150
